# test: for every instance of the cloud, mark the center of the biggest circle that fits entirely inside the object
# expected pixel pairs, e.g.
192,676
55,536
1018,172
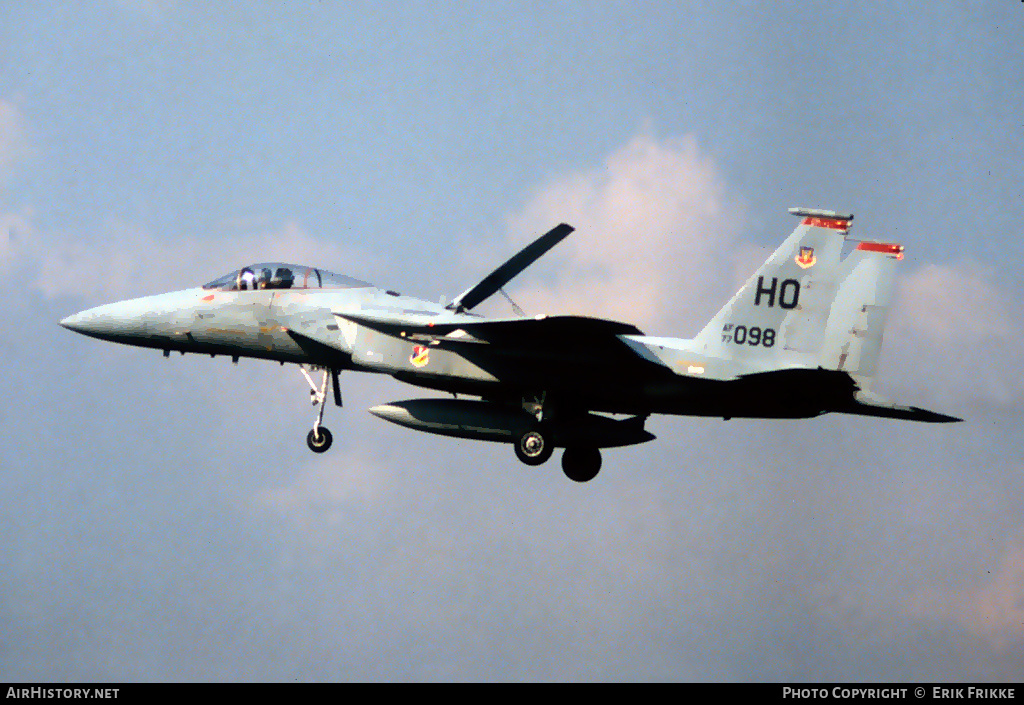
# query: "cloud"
656,228
952,302
994,611
659,243
955,335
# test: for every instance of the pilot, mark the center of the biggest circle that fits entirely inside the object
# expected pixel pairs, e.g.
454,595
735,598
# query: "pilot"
246,280
283,278
264,279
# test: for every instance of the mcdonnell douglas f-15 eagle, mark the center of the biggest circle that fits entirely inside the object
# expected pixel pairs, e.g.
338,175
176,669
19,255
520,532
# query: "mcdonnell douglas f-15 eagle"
799,339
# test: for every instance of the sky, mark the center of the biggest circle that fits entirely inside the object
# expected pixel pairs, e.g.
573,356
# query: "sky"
162,519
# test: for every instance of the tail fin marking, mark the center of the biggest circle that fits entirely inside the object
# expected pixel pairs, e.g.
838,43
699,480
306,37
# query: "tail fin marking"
777,319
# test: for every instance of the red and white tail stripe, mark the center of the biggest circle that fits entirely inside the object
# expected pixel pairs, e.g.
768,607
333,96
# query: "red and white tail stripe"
887,248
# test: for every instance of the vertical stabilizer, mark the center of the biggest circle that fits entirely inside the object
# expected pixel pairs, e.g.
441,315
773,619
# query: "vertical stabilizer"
853,335
777,319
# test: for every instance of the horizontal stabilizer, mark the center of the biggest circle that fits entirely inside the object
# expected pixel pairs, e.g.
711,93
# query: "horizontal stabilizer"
867,404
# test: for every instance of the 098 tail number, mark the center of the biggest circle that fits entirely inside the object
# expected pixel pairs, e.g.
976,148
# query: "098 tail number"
752,336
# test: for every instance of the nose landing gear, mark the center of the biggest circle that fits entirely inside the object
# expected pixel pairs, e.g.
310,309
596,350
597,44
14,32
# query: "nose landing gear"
319,439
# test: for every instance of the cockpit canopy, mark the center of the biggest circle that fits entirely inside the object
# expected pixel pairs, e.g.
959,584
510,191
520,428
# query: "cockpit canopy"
277,275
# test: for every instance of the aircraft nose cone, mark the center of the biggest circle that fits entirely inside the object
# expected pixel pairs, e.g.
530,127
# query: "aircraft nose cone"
76,322
110,322
147,321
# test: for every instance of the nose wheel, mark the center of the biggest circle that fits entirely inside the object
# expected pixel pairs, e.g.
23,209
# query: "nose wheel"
319,439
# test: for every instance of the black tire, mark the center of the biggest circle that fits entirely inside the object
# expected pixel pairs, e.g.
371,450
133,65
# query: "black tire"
319,444
581,464
534,447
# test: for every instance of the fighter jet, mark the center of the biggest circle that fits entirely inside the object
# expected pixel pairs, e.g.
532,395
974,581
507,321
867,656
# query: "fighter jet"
799,339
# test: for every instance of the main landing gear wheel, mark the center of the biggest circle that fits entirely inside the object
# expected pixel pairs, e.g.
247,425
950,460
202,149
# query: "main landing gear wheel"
534,447
319,439
581,464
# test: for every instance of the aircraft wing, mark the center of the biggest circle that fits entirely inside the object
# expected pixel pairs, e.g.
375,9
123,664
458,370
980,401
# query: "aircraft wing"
551,351
540,330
